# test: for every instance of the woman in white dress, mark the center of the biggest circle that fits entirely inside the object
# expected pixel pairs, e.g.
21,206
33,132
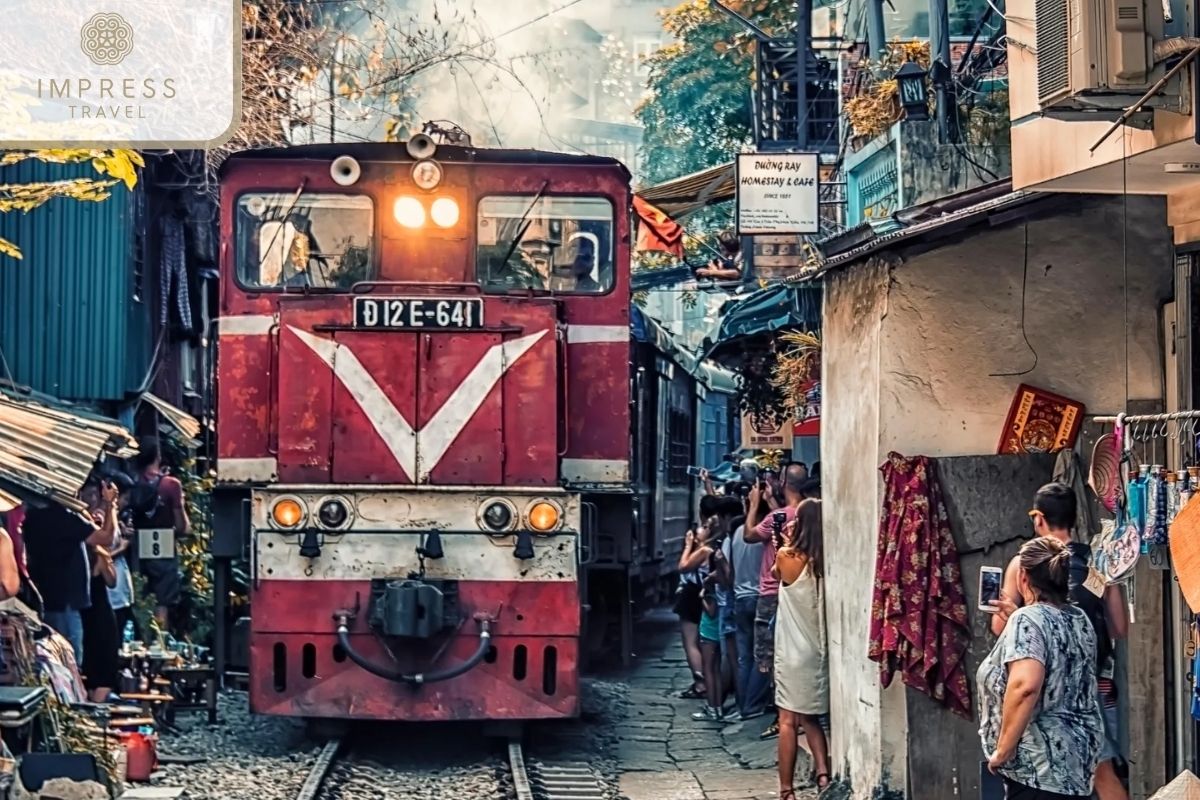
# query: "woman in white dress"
801,652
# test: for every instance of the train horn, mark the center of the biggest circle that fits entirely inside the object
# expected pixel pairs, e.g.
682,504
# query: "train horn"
345,171
421,147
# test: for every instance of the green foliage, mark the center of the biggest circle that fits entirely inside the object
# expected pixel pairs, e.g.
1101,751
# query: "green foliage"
698,112
194,614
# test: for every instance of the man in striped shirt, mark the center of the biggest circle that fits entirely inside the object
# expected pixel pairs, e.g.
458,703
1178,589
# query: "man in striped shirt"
1053,516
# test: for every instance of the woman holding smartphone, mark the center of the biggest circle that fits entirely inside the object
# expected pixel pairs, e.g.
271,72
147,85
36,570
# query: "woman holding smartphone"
1040,720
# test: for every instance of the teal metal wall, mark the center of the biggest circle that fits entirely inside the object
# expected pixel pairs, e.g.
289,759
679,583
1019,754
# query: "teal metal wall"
69,325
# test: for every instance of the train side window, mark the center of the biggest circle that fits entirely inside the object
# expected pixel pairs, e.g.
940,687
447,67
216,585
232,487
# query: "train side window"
554,243
316,241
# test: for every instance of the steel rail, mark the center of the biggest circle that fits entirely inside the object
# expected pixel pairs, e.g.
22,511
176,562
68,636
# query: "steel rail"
516,764
320,768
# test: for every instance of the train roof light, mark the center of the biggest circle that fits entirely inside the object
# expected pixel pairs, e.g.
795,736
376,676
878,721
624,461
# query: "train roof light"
409,212
444,212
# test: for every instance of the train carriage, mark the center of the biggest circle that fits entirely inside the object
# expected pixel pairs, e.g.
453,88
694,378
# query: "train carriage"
423,425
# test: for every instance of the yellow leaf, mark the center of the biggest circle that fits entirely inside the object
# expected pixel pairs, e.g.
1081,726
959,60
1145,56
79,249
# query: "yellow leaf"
9,249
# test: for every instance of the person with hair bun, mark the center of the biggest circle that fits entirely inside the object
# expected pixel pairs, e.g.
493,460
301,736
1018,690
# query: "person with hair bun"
1041,726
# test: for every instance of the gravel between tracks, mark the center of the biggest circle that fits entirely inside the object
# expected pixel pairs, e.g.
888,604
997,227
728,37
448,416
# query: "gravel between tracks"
267,758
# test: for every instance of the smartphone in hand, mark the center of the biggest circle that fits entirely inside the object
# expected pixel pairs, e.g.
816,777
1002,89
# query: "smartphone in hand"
990,580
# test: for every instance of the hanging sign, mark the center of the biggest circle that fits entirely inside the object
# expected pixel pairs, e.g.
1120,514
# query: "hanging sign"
764,433
778,193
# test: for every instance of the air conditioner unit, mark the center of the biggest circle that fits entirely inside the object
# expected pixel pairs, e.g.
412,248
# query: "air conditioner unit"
1095,54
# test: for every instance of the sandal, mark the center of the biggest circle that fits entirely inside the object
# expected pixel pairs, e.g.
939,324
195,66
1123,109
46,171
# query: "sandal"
823,786
787,794
692,693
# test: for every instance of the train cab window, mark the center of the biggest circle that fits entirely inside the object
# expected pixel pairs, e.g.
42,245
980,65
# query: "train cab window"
556,244
318,241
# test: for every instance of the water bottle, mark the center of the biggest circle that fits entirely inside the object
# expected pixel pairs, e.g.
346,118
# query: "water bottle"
128,635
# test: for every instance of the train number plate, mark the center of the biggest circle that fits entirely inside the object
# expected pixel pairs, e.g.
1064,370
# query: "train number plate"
411,313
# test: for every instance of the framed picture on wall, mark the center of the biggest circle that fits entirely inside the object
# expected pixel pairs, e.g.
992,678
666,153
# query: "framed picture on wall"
1040,422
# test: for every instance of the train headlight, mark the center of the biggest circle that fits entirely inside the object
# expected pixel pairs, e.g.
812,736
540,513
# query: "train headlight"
544,516
497,516
333,513
444,212
409,212
427,174
287,512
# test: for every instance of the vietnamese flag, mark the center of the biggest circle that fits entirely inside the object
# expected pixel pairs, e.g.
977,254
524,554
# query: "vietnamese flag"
657,231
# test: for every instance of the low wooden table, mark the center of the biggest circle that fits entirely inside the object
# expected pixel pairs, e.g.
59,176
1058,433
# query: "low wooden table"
194,688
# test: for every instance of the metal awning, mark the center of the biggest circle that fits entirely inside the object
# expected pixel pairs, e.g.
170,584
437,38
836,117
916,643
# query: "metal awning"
765,311
682,196
182,421
715,377
49,451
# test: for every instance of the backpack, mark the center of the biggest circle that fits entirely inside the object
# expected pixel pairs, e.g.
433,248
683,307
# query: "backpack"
144,499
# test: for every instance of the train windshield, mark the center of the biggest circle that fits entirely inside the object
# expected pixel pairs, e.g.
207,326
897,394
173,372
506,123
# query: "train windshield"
555,243
319,241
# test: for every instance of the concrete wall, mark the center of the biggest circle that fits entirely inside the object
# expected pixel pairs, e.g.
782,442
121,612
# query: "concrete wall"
910,354
954,323
868,722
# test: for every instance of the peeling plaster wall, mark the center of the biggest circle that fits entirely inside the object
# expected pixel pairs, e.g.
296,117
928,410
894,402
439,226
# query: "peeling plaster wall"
868,723
908,348
954,320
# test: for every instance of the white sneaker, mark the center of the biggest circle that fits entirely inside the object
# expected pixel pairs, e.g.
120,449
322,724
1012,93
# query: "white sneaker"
709,714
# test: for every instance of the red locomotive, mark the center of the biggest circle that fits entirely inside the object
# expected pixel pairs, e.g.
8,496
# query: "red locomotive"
423,422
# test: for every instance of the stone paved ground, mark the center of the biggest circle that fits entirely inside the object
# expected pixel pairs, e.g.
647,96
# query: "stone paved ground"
663,754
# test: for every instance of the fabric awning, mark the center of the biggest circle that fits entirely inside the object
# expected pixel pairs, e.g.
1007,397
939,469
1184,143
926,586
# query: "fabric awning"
682,196
182,421
49,451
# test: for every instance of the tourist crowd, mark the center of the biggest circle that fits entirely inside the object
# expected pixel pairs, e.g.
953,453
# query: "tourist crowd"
751,609
74,569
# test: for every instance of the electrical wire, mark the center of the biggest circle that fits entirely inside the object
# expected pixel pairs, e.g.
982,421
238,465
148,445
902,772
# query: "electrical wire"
1024,333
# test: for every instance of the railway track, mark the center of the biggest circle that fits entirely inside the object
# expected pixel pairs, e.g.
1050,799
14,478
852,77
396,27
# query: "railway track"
534,781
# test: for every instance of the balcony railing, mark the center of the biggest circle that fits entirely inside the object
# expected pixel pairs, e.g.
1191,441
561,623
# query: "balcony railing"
779,118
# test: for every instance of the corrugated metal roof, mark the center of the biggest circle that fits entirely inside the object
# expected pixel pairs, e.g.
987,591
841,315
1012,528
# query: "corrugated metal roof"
885,240
184,422
50,451
68,305
692,192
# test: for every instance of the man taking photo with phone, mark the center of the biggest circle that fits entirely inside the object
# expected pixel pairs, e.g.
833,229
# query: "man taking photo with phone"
766,526
1053,516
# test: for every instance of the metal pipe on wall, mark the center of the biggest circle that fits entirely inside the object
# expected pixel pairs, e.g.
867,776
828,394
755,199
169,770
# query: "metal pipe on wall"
939,51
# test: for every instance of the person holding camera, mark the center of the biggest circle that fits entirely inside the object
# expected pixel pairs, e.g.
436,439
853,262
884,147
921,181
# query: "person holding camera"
727,266
769,532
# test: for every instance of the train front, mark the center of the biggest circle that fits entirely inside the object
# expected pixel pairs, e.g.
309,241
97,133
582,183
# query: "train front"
422,358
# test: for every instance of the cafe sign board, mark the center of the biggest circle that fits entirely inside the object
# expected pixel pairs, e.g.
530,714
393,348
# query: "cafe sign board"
765,433
778,193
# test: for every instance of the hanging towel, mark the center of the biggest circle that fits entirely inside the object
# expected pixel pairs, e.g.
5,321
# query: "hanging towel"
174,273
1069,470
919,614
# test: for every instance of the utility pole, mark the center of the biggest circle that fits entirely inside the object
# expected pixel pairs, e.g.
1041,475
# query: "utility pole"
939,71
803,43
876,44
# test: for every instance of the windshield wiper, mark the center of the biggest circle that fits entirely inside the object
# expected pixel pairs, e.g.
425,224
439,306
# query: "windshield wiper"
262,257
523,225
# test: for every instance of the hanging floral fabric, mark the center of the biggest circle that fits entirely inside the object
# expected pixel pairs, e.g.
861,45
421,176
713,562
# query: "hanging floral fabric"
919,613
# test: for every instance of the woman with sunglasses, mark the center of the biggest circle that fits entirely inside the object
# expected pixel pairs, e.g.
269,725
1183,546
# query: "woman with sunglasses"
1053,517
1040,721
